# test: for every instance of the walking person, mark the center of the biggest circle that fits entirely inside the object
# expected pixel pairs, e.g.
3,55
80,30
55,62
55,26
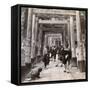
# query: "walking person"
57,58
46,57
54,53
66,60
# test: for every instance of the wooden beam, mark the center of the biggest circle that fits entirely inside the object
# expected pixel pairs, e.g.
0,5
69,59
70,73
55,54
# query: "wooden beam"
54,11
53,21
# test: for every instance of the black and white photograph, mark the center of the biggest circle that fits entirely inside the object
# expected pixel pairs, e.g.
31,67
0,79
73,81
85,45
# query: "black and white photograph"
44,45
53,44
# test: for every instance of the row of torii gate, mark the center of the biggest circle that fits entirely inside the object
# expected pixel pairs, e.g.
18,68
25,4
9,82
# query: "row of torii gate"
35,31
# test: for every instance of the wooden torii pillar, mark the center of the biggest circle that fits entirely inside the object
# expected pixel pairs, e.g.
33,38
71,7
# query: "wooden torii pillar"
28,39
39,39
80,53
73,49
36,38
33,37
23,29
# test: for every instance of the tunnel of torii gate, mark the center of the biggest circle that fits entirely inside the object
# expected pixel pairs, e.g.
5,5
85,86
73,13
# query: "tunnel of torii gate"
44,27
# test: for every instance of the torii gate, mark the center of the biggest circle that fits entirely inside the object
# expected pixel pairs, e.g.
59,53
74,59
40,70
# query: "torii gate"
37,12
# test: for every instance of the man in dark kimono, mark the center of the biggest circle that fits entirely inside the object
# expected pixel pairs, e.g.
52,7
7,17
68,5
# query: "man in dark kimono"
46,57
54,53
66,54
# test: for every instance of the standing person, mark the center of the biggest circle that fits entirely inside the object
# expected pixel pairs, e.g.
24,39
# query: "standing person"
50,52
57,51
66,61
61,53
54,53
44,51
57,57
46,57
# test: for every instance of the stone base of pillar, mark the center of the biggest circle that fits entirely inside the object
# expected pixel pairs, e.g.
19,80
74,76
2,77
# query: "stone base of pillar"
74,62
81,65
25,70
38,58
28,65
32,60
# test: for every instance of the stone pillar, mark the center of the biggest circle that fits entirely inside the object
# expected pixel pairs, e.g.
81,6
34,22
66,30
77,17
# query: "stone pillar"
28,39
74,60
80,56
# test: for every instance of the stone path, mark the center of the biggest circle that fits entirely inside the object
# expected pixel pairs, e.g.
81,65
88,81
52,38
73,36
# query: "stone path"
53,73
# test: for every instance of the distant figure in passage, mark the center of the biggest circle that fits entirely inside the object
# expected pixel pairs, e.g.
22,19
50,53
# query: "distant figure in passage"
54,53
57,57
61,54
